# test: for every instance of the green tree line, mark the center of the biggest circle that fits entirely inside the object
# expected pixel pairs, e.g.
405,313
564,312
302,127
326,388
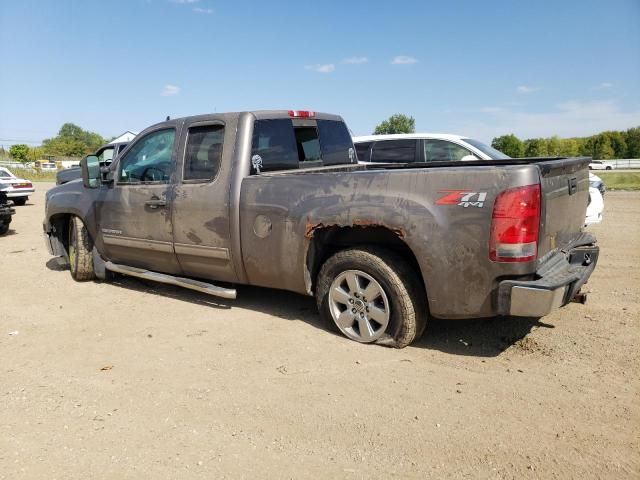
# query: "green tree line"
71,141
602,146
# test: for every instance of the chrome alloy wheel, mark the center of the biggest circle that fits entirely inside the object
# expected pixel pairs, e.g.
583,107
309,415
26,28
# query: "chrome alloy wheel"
359,306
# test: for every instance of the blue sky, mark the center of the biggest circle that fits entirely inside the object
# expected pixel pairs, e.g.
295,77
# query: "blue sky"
469,67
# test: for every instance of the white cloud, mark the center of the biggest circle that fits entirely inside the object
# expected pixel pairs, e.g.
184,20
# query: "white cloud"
321,68
170,90
604,85
527,89
568,119
206,11
355,60
403,60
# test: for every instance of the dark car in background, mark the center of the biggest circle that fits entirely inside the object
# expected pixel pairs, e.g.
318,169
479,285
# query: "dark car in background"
6,212
105,153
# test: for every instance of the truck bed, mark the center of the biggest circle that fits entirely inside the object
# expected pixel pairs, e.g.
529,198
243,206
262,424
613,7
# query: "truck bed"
449,242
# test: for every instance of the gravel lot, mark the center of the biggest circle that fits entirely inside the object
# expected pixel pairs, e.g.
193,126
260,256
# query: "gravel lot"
132,380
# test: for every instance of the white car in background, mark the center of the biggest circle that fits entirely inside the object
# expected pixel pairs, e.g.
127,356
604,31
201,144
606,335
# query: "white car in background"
600,165
17,189
595,207
439,147
422,147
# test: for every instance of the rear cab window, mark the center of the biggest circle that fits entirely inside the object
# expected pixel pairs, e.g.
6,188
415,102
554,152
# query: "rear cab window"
288,144
337,146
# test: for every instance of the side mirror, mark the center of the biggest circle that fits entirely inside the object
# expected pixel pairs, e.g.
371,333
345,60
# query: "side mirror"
90,167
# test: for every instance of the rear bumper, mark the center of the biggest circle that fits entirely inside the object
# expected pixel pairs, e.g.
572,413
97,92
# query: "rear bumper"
556,282
20,192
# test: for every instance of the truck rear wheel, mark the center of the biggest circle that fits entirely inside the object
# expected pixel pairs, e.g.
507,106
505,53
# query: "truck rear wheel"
4,227
80,246
372,295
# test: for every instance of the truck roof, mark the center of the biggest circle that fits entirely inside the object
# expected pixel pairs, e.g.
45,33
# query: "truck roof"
258,114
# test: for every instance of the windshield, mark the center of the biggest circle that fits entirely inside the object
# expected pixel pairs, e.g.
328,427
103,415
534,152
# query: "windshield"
5,174
487,150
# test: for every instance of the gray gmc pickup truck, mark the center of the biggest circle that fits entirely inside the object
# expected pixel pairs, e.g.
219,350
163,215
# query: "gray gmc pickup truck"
277,199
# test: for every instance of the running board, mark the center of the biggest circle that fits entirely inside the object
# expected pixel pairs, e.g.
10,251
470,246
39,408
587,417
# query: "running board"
171,280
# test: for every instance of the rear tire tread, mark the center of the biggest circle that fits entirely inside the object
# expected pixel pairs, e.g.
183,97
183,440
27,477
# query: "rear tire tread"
407,294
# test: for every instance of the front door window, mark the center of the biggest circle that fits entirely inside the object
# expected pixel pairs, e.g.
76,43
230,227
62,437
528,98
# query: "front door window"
149,160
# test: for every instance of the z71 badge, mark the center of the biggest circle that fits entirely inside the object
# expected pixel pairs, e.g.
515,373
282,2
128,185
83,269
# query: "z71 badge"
462,198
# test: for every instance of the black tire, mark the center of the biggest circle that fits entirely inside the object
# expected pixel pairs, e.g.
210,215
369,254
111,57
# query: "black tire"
406,296
4,228
79,250
608,168
20,201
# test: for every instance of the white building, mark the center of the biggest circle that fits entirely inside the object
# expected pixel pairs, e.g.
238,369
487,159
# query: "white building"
125,137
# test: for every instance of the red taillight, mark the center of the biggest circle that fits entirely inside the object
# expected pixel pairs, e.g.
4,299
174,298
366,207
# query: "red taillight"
515,225
22,185
301,113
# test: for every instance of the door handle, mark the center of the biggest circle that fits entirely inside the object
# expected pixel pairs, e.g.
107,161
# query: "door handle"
156,202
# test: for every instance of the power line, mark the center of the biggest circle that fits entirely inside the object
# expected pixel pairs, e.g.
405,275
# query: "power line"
20,140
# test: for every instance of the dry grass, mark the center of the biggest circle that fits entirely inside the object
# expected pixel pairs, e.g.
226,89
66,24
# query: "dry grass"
34,175
620,180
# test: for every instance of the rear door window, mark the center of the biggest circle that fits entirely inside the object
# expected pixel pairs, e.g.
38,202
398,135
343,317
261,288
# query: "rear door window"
394,151
273,146
337,146
204,153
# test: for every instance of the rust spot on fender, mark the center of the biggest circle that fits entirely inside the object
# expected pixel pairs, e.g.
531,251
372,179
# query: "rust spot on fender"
310,227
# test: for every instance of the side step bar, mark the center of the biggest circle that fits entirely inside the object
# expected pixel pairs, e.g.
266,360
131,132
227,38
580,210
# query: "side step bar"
171,280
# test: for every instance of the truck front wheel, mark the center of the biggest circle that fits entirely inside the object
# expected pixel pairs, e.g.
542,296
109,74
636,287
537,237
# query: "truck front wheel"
372,295
80,246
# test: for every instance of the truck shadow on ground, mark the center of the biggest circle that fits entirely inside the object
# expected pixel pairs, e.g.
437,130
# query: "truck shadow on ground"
483,337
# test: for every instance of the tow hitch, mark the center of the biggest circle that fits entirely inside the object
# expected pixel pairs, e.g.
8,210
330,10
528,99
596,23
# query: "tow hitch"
580,298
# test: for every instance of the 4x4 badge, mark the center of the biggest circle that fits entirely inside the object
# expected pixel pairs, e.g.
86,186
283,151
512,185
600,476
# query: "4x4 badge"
462,198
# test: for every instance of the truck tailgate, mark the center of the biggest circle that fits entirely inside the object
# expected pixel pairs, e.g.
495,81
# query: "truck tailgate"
565,193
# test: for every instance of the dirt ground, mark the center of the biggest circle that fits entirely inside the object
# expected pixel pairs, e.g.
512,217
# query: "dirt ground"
130,380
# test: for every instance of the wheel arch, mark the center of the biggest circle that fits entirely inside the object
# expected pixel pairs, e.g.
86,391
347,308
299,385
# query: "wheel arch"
324,241
58,226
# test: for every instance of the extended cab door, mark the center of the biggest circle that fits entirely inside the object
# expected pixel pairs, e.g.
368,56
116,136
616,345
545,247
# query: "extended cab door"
134,214
201,207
